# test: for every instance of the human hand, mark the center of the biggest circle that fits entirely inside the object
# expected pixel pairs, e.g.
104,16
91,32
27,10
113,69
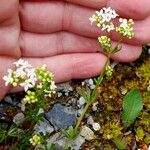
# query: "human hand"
59,34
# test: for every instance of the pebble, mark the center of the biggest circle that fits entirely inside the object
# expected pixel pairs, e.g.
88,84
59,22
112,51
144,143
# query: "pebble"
87,133
96,126
149,51
77,143
12,101
60,141
65,88
81,101
43,127
61,117
89,83
18,117
94,106
90,120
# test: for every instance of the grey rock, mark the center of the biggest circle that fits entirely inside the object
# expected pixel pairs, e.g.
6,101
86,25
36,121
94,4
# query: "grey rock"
87,133
61,117
18,117
90,120
65,88
3,108
12,101
77,143
81,101
59,140
43,127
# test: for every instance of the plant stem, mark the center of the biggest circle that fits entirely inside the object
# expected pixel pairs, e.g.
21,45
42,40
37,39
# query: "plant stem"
94,93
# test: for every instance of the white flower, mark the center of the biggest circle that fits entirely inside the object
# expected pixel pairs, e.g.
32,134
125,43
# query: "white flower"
28,84
20,73
108,27
22,63
8,78
103,18
31,74
93,18
108,14
53,86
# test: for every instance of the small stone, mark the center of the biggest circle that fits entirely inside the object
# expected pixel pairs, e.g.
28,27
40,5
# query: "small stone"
61,117
94,106
43,127
80,111
96,126
12,101
91,82
90,120
87,133
83,83
92,87
81,101
58,140
8,99
77,143
18,117
59,94
149,51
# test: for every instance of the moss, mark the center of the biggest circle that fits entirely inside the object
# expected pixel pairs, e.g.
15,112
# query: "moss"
111,130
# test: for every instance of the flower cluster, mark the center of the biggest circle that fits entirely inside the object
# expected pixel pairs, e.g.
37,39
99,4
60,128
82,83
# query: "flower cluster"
103,18
105,42
126,28
109,71
36,140
30,97
46,80
26,76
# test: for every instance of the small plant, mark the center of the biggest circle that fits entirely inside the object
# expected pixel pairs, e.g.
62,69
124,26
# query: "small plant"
39,86
104,20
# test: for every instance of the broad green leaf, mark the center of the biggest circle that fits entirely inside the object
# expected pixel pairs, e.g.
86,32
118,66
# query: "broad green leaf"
132,105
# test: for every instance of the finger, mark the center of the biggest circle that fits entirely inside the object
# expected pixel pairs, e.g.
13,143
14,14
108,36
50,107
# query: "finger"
70,18
37,45
72,66
44,45
90,3
136,9
9,28
8,9
123,7
128,53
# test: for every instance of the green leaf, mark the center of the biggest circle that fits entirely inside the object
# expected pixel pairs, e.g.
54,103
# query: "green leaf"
120,143
132,105
71,133
86,95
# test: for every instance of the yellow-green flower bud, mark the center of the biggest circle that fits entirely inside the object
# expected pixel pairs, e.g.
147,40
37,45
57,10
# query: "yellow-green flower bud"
105,43
36,140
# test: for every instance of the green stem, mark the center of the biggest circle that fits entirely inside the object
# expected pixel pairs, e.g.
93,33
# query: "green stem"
94,93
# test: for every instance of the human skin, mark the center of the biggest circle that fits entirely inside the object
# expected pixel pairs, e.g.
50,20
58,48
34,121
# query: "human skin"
59,34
